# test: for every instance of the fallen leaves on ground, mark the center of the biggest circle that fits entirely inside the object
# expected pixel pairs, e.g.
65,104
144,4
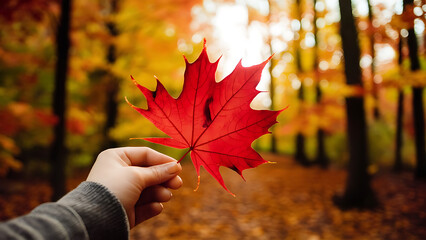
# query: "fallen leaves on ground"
287,201
278,201
20,196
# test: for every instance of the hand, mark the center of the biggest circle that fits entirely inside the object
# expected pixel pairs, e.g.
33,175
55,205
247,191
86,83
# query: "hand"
139,177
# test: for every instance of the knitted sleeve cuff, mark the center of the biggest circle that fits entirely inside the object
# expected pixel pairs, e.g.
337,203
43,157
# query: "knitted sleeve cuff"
101,211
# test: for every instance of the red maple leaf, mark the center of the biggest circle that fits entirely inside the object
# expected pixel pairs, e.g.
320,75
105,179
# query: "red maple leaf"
213,120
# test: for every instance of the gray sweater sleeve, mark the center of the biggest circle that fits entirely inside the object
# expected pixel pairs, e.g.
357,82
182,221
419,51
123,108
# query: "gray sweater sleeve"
90,211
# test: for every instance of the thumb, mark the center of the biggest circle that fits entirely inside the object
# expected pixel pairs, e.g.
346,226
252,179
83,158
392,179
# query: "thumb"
158,174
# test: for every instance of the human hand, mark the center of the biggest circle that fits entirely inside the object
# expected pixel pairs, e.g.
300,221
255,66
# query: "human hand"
139,177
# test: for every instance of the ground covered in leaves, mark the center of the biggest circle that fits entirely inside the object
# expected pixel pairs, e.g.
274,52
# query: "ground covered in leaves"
278,201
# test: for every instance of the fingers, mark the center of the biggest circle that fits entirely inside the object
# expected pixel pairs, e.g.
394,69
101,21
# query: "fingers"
147,211
143,156
149,204
156,193
158,174
159,193
174,183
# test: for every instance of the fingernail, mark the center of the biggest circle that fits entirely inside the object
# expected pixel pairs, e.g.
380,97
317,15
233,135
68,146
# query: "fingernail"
173,167
180,180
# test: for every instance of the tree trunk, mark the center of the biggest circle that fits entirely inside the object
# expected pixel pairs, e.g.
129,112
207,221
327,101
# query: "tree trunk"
399,117
321,157
111,103
57,152
419,129
112,83
376,112
418,111
398,144
271,92
300,154
272,63
358,192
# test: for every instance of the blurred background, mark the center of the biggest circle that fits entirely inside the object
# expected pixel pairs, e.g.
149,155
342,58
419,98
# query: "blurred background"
350,149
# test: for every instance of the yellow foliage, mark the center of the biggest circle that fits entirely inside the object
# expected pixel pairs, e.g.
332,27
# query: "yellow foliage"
136,128
7,161
399,79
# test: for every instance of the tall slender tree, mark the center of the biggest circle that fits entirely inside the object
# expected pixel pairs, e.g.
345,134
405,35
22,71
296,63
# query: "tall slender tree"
112,82
399,115
358,192
57,154
376,112
321,157
300,154
418,111
272,64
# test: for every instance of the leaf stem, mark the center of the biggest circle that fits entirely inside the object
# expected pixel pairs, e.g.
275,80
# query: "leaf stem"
184,155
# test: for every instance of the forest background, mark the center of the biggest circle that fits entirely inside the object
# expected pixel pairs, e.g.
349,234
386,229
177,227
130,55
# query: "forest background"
352,74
